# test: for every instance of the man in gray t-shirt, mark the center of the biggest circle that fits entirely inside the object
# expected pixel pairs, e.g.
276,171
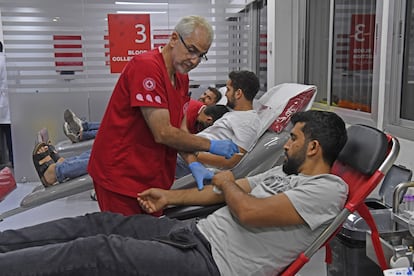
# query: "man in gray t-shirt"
272,248
271,217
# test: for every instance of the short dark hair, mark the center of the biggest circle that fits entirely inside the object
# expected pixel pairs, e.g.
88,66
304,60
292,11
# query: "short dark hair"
247,81
216,111
216,93
325,127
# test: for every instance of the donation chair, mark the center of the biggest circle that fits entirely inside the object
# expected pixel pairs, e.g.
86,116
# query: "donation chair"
367,156
274,109
67,149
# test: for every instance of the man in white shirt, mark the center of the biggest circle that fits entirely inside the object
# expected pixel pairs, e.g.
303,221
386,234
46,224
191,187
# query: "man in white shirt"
239,126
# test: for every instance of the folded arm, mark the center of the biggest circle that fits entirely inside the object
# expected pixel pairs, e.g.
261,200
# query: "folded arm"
276,210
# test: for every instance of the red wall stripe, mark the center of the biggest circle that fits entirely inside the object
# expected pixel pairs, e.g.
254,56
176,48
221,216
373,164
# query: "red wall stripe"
67,63
67,37
68,54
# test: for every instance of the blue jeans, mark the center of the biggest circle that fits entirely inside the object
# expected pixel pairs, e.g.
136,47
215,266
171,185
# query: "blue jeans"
105,244
73,166
76,166
89,130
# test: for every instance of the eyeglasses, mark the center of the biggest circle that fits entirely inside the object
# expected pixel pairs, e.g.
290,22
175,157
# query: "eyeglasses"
193,52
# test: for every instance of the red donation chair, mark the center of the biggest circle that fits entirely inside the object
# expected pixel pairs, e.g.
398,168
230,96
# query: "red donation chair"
367,156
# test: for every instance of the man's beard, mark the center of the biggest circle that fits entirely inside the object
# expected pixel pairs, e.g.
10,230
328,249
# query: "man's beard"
231,103
292,164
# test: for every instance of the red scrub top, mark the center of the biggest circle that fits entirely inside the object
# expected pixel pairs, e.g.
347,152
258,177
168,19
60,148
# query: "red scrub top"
125,158
194,108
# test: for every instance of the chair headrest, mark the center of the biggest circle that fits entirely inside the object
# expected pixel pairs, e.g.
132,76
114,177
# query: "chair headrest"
277,105
365,149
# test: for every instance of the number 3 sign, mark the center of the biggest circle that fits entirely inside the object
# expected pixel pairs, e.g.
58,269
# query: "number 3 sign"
361,42
129,35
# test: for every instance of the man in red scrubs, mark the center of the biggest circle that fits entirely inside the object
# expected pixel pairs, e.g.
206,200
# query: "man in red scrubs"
143,127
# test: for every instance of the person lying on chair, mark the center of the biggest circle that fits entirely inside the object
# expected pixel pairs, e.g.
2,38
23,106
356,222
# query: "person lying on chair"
268,220
53,169
199,116
266,214
78,130
210,96
240,126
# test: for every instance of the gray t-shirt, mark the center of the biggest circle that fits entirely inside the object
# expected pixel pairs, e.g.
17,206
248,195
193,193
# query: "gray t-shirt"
238,126
243,250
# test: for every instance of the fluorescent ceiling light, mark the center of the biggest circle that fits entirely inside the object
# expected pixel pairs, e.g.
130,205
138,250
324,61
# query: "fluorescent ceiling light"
138,3
141,12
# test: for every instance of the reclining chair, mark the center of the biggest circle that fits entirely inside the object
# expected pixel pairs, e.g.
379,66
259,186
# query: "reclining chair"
274,108
366,158
67,149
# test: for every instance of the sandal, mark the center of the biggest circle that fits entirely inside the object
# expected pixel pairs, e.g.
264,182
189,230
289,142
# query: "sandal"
41,168
43,137
53,152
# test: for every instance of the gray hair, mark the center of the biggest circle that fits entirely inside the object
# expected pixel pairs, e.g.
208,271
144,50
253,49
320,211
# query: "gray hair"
188,24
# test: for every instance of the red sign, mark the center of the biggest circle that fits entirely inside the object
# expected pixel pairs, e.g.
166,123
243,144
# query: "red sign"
129,35
361,43
68,53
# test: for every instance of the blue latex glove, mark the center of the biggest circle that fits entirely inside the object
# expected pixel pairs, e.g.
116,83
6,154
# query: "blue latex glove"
225,148
200,174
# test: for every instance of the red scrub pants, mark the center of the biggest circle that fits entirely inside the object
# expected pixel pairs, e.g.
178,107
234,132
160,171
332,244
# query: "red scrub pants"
117,203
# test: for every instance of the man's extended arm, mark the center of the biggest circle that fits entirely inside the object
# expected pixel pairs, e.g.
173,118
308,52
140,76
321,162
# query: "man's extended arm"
158,120
154,199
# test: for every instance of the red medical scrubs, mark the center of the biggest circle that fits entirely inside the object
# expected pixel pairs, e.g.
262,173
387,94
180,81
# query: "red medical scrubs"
125,158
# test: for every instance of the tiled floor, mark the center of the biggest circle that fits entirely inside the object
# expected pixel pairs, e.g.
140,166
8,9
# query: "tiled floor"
80,204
